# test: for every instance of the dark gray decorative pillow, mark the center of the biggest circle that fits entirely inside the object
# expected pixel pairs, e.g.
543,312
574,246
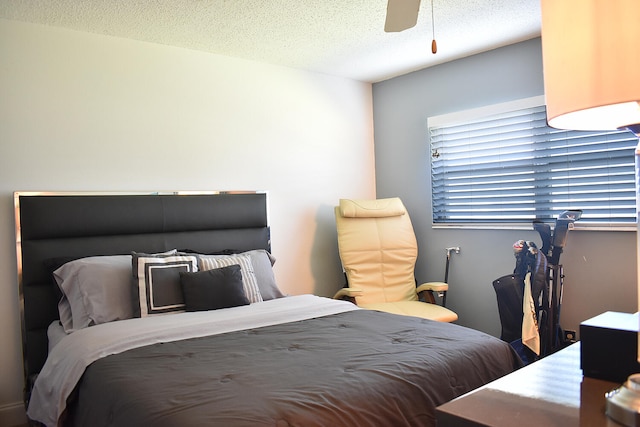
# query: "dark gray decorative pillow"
249,280
213,289
156,282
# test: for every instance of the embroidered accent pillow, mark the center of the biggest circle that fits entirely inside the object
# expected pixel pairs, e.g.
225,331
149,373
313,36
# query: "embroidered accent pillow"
156,282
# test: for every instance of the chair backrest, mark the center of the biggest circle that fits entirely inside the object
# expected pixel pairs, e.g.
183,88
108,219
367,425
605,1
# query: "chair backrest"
378,249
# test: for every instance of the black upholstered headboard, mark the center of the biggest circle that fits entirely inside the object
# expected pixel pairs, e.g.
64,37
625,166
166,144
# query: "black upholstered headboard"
76,225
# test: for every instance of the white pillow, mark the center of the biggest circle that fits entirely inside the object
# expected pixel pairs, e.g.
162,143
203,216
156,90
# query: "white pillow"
156,280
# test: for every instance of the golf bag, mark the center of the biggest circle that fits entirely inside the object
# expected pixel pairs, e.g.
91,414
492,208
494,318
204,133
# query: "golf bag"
529,300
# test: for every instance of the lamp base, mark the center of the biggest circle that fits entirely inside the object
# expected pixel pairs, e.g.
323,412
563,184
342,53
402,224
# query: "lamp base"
623,404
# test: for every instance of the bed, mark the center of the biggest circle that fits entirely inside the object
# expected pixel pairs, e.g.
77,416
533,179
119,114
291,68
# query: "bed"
162,309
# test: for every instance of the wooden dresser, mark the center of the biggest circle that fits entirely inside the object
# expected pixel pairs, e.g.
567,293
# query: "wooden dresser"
550,392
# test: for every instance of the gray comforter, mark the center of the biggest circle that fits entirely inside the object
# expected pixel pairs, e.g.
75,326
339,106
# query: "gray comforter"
359,368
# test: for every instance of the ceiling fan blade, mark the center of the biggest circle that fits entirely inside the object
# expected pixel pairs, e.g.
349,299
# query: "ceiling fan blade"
401,14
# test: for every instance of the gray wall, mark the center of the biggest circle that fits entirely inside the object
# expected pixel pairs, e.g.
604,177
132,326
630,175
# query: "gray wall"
600,267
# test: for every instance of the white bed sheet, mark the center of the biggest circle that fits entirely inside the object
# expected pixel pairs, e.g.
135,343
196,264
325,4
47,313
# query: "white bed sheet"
55,333
67,362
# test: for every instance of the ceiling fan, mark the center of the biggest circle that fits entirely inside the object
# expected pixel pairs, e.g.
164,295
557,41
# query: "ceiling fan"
403,14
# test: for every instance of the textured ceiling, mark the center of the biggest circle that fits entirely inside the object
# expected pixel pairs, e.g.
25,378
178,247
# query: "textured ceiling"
338,37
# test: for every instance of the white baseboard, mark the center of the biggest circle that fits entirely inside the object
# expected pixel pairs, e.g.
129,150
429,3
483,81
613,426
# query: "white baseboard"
12,414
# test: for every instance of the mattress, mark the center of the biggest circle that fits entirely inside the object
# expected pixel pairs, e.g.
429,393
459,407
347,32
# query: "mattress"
300,360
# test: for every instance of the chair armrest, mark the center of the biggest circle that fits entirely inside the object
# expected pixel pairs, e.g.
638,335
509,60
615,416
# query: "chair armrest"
347,293
433,286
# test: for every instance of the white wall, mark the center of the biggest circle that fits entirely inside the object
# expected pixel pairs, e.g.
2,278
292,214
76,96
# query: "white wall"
86,112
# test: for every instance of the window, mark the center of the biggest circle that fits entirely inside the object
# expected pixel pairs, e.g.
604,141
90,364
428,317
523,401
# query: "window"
504,165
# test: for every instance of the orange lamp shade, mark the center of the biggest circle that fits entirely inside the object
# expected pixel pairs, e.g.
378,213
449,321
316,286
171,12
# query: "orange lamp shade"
591,61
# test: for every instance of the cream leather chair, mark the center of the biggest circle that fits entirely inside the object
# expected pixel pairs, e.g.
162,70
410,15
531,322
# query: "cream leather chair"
378,250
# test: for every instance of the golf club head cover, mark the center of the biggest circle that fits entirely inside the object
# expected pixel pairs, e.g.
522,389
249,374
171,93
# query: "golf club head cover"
544,230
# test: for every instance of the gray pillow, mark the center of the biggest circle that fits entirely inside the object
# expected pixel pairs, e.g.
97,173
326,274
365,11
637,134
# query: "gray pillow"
213,289
94,290
263,268
261,261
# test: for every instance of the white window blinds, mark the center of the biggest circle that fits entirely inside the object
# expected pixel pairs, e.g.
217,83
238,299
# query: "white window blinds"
510,167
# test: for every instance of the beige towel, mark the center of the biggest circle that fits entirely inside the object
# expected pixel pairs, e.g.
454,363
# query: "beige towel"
530,335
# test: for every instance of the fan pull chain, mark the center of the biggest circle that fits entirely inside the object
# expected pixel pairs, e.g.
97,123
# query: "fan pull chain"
434,46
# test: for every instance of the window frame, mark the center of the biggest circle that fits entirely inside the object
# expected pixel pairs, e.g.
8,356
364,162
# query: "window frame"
475,114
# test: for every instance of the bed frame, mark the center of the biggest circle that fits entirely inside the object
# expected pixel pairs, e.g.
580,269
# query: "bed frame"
76,225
